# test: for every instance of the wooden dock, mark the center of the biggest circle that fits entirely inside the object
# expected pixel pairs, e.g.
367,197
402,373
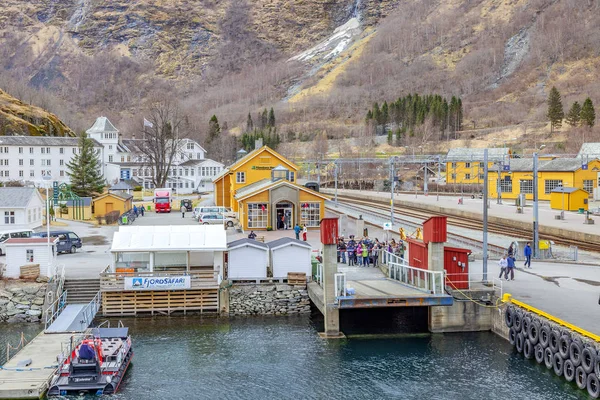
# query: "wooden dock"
31,382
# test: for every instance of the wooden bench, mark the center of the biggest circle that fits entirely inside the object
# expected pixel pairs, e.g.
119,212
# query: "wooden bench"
296,278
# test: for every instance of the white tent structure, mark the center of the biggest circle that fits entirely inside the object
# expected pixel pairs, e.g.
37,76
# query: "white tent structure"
168,248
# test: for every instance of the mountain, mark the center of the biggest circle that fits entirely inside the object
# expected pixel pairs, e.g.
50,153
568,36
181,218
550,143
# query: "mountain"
320,64
19,118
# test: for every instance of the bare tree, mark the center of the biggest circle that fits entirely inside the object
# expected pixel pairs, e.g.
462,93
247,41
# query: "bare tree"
163,138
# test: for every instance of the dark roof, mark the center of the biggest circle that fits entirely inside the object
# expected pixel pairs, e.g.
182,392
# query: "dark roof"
87,201
241,242
132,145
476,154
566,190
15,197
287,240
42,141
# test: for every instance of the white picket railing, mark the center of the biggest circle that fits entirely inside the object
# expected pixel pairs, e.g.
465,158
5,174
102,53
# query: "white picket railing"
430,281
340,285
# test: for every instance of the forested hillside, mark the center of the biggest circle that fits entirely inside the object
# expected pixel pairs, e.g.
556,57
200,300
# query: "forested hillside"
320,65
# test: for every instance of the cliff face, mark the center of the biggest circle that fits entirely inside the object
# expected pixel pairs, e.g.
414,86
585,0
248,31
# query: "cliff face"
18,118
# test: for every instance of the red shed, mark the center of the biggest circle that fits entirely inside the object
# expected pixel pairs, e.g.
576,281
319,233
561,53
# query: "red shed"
456,264
418,255
434,229
329,230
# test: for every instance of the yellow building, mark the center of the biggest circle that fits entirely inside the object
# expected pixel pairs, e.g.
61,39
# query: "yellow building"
517,178
108,202
261,187
569,199
465,165
80,209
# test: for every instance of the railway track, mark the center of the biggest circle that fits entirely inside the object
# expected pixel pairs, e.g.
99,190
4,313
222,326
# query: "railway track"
469,223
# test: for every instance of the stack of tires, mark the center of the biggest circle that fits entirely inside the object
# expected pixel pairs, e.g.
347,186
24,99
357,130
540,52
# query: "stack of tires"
559,349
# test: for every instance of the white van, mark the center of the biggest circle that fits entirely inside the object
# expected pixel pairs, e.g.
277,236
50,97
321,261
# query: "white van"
16,233
226,211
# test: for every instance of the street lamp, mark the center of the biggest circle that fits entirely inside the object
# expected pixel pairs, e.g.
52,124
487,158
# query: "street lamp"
536,231
47,179
562,210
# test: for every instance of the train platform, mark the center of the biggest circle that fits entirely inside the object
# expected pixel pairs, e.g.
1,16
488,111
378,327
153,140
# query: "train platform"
572,226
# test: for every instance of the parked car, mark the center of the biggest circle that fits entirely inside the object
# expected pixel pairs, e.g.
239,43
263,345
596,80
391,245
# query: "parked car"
187,203
218,210
68,242
215,219
14,233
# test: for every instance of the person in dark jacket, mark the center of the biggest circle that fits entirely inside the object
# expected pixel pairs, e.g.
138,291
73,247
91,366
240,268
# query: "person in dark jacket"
527,252
252,235
510,268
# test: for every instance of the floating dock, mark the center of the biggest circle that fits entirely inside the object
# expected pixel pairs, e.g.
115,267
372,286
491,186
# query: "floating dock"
31,382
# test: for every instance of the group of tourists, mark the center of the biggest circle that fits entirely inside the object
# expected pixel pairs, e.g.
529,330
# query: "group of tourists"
508,262
298,230
137,211
365,252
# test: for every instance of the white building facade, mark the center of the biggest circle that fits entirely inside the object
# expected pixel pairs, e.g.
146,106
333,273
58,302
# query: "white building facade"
21,208
29,159
123,159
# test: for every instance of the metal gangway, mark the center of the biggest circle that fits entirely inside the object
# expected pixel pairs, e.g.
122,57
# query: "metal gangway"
62,317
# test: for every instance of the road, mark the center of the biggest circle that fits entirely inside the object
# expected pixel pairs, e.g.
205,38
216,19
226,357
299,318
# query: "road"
567,291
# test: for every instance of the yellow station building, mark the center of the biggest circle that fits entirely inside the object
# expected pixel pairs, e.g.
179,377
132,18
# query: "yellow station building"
465,165
261,187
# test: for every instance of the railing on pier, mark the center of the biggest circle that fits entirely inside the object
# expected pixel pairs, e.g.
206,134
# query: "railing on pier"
339,285
474,281
54,310
111,281
319,275
89,312
429,281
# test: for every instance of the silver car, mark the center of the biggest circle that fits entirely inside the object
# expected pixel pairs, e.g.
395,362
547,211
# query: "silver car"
215,219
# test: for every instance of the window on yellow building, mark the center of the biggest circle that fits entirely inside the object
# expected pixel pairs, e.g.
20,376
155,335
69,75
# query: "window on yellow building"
588,185
526,186
311,214
240,177
467,165
453,176
480,177
453,165
481,165
506,185
467,176
258,215
551,184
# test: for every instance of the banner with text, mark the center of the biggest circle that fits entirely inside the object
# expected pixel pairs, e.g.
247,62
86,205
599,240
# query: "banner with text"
158,283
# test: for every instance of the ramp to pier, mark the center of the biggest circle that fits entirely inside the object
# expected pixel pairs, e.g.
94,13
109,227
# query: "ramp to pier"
71,319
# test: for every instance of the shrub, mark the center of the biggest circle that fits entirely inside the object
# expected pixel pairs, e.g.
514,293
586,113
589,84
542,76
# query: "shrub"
269,228
137,188
112,217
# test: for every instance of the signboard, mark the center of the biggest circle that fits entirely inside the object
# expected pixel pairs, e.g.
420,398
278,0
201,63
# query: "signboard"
584,167
387,226
506,167
158,283
55,192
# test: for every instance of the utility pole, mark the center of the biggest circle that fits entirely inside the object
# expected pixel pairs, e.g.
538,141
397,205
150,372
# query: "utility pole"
536,234
392,190
485,214
438,177
498,185
425,189
335,176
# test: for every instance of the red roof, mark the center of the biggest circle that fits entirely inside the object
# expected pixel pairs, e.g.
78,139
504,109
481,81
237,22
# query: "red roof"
35,240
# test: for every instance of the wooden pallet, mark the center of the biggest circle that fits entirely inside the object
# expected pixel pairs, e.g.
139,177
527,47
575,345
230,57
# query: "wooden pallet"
296,278
130,303
260,239
31,271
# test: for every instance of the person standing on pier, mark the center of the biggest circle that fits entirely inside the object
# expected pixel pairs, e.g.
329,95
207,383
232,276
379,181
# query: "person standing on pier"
182,211
503,266
527,253
304,233
365,254
510,268
297,231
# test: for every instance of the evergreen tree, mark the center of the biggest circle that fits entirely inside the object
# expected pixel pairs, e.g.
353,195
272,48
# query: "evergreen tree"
249,123
385,113
588,114
390,137
84,169
555,109
369,115
214,130
572,117
271,120
264,119
376,113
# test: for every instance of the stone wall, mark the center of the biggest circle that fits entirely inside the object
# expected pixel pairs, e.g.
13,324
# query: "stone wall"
21,301
268,299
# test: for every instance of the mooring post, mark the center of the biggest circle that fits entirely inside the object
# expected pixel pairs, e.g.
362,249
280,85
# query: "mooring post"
329,234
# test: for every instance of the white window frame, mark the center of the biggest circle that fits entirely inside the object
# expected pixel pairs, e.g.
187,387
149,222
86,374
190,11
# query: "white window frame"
257,218
240,177
310,216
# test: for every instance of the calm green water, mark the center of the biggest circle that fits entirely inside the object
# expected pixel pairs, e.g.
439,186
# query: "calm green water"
283,358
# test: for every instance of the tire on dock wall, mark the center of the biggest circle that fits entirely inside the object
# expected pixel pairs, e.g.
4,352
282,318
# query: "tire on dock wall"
558,364
545,335
593,386
554,340
512,336
581,378
539,353
589,359
569,371
597,364
526,324
520,342
548,357
534,332
564,346
528,349
518,321
575,351
509,316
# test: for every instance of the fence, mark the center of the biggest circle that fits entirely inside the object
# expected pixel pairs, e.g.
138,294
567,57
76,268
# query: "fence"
429,281
474,282
340,285
90,311
54,310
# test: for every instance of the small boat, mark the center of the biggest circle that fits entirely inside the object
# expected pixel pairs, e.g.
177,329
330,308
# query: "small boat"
96,365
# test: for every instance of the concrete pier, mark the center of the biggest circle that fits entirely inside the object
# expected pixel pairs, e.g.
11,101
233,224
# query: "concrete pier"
31,382
331,311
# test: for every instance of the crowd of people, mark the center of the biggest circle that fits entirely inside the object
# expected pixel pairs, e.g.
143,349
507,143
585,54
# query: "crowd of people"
365,252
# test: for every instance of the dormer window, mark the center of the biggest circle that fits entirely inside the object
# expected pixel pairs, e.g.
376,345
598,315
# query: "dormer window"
280,172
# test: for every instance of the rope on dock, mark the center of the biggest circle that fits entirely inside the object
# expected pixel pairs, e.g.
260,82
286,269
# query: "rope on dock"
20,369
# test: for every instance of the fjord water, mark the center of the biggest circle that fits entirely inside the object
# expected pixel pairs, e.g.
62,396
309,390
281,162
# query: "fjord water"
283,358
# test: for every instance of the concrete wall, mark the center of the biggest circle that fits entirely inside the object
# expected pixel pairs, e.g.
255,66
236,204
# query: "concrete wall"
462,316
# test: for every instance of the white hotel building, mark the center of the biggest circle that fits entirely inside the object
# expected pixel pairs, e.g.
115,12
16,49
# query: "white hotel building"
30,158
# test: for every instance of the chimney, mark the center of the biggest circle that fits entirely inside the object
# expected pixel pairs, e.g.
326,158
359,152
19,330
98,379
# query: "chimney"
258,143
